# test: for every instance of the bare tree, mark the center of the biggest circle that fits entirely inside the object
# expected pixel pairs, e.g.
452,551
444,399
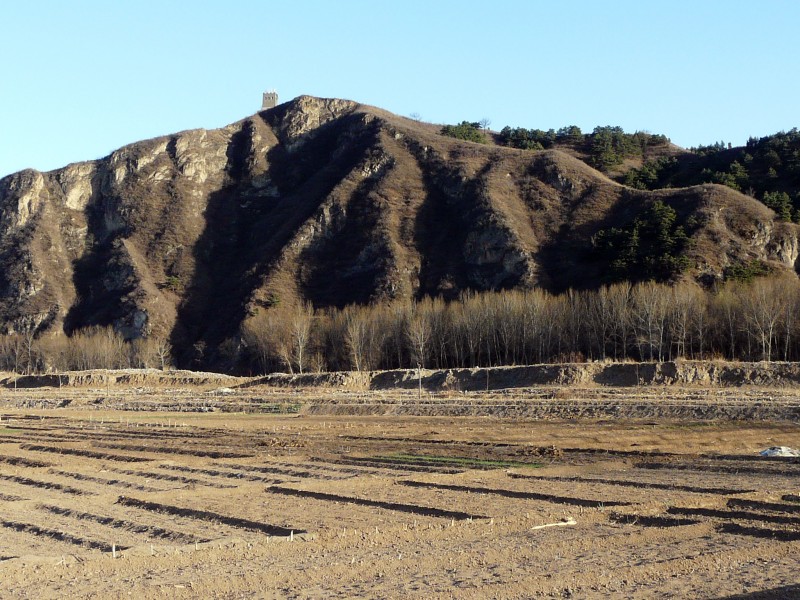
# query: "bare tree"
535,322
419,336
163,350
700,322
397,316
151,352
301,319
507,323
619,299
441,330
789,289
12,347
469,322
53,352
486,319
650,309
727,310
763,306
356,338
574,314
262,335
681,301
29,337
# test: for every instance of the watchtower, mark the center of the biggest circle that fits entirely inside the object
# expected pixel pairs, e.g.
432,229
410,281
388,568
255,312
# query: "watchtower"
270,100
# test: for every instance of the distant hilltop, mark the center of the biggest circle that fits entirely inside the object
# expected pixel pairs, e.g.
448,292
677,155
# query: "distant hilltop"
332,202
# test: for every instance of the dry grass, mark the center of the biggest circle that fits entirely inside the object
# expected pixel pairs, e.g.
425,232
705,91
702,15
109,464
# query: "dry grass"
328,201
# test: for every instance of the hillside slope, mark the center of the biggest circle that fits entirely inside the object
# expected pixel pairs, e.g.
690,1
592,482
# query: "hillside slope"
332,202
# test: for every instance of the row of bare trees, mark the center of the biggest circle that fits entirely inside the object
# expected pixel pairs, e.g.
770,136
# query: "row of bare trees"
92,348
648,321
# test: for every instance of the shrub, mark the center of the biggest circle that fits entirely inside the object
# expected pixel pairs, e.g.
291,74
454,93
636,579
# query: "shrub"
465,130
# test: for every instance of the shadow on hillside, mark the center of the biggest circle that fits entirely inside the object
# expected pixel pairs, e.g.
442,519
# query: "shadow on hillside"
346,265
570,260
445,218
246,229
98,299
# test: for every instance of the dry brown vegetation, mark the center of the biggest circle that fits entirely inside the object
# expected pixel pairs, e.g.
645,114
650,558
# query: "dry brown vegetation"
648,321
187,237
91,348
324,235
642,322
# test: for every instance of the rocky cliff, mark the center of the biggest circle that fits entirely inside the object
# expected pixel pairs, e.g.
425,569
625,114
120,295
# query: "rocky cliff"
328,201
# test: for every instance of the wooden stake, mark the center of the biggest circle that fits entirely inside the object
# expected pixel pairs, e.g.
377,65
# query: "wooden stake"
566,523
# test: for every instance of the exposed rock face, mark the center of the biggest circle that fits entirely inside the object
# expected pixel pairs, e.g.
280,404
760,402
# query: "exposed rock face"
327,201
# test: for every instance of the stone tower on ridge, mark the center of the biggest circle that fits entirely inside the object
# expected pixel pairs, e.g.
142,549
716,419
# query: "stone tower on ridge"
270,100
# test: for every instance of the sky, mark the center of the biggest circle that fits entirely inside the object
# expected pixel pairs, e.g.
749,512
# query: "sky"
80,78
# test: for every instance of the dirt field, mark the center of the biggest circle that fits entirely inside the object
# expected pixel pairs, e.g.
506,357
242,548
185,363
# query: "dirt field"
146,503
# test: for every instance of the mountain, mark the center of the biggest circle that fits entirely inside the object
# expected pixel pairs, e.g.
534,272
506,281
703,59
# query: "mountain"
334,202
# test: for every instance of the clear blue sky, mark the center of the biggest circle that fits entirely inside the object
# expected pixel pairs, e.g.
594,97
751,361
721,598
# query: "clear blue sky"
80,78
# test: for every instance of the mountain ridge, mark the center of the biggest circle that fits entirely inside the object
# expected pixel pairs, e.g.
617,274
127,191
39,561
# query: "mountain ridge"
332,202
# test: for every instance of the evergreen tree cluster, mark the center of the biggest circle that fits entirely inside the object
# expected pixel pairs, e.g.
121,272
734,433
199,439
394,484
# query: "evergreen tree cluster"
465,130
606,147
538,139
651,247
767,168
746,272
